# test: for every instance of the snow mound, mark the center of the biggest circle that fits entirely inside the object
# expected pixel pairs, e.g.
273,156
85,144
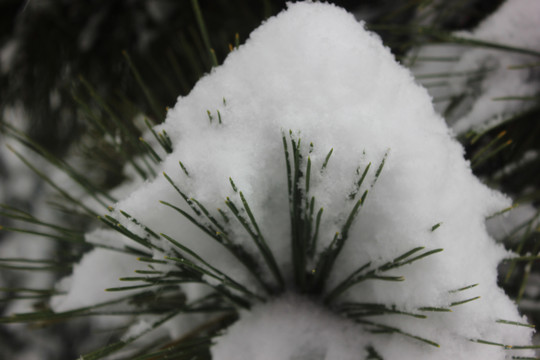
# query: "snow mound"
314,75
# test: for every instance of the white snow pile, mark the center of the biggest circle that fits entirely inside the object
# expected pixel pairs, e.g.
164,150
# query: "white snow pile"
497,84
315,71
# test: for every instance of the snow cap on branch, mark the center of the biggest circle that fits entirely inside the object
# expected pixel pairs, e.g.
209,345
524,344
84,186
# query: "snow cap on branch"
314,75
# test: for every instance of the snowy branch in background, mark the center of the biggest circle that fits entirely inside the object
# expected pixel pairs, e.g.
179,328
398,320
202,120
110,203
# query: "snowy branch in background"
492,79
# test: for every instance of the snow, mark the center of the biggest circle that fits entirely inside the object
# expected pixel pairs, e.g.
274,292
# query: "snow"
98,270
292,327
513,223
314,70
136,329
492,74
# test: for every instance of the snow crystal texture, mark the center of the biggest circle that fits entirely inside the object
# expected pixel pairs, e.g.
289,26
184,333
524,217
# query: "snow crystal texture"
315,71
